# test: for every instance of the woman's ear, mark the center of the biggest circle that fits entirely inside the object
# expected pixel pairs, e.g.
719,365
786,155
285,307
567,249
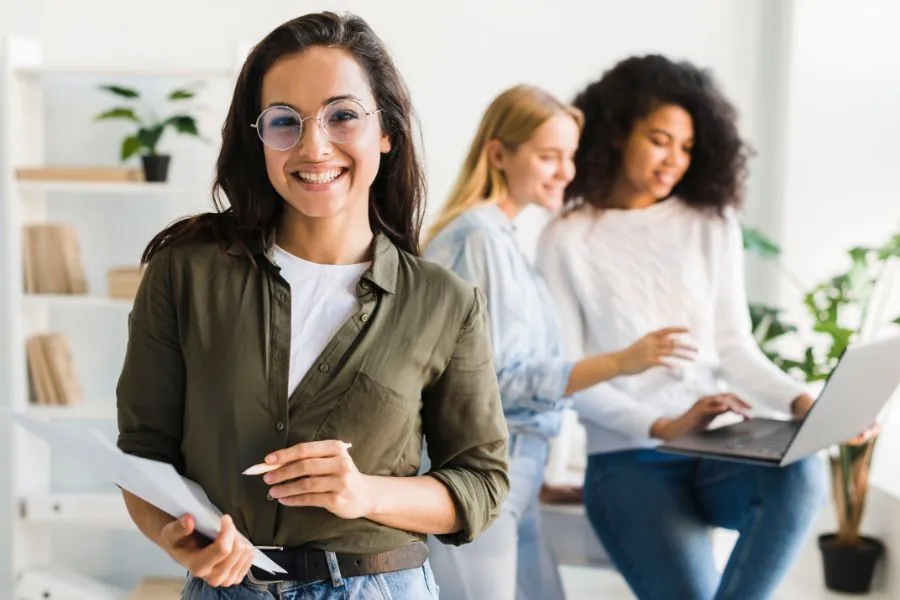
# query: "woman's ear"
385,143
495,155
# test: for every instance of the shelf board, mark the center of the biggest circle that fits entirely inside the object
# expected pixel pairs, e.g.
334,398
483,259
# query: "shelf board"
114,71
98,510
78,412
74,301
107,187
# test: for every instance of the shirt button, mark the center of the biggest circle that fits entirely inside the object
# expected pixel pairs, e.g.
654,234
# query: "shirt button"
324,367
279,425
364,317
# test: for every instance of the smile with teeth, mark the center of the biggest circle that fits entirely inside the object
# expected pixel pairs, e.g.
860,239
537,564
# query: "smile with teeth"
326,176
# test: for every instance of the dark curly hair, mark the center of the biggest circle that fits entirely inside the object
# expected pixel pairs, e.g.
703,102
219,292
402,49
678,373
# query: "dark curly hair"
630,91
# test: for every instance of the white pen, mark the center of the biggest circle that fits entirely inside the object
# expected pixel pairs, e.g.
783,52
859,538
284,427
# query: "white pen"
262,468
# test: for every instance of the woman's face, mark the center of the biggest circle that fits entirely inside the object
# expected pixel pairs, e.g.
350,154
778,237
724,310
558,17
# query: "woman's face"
320,177
657,154
539,170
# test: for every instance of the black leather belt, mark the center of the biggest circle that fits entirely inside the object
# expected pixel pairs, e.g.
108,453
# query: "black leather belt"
305,565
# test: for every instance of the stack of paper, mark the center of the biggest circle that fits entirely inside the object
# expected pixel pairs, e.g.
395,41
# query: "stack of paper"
155,482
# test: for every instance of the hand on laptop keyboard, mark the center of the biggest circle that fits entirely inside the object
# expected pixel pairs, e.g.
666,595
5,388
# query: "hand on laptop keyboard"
699,416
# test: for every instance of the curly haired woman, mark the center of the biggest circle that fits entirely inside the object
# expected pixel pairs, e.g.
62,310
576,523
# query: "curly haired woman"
651,237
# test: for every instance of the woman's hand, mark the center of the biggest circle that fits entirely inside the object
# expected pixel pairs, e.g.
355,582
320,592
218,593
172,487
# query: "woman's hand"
653,349
699,416
320,474
800,405
222,563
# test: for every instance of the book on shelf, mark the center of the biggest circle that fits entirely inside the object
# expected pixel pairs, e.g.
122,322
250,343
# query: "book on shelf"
52,260
95,174
124,281
52,370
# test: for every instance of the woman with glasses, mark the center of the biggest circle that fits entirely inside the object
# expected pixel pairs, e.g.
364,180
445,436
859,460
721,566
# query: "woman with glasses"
521,156
652,236
289,351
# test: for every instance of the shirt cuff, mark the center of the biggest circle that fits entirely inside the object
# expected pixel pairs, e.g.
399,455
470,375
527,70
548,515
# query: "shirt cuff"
638,422
475,515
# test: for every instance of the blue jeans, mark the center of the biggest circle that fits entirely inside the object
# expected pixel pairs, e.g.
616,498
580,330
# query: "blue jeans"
654,513
411,584
511,559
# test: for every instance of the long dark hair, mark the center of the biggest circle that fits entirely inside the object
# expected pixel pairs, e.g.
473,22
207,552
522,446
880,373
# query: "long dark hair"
631,90
397,196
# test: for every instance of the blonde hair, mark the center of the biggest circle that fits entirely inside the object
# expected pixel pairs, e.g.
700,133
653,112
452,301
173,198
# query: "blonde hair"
512,118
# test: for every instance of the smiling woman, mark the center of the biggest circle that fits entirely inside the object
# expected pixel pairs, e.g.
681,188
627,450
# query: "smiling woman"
299,325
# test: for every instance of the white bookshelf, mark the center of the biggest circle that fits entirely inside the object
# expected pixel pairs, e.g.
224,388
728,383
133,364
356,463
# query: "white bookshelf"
37,71
99,187
30,509
106,510
104,410
46,301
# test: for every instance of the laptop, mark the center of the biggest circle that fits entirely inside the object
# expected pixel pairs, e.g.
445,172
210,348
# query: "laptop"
865,378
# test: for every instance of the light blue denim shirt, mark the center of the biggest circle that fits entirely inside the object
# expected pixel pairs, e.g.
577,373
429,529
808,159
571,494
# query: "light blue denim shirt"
480,246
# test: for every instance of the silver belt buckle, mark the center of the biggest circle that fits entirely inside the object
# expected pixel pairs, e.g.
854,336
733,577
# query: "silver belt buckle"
265,583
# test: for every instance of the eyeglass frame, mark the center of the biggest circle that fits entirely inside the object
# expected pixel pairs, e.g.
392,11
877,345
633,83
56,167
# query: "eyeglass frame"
302,119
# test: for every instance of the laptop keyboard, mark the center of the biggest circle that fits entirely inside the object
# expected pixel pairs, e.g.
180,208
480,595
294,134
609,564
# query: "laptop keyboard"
772,440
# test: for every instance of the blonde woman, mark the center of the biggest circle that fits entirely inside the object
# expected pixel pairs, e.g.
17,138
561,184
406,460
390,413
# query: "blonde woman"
522,155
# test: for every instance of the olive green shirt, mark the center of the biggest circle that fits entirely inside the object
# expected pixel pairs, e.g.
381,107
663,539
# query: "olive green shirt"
204,387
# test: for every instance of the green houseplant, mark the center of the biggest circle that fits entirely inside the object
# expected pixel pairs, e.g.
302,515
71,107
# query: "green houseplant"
150,128
838,308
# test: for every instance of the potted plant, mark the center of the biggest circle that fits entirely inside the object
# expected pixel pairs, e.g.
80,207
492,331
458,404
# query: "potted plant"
150,129
839,309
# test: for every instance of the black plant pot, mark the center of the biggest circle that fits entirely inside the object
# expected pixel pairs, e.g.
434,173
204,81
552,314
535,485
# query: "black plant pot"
849,569
156,167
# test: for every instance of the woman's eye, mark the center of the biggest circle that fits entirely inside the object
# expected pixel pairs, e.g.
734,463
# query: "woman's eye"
344,115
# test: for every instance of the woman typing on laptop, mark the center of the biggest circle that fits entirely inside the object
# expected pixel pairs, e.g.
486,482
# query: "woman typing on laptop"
652,238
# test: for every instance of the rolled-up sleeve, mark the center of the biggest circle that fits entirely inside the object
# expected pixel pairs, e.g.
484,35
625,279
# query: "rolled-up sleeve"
150,391
466,431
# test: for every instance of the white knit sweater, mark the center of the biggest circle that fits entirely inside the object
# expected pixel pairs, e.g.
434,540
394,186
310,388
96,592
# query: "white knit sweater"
618,274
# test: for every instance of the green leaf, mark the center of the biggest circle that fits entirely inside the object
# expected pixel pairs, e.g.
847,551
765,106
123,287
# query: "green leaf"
130,146
181,95
120,91
768,324
756,242
149,137
183,124
121,112
896,321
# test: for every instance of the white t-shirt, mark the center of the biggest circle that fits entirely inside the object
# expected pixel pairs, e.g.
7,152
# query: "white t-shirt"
323,298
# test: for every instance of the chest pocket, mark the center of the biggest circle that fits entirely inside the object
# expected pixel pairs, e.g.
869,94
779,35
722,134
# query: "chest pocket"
383,426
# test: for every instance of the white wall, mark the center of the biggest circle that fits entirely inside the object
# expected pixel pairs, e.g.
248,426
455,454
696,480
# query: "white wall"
841,180
454,64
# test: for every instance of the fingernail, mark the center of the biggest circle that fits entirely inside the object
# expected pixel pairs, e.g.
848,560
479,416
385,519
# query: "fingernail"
268,478
271,459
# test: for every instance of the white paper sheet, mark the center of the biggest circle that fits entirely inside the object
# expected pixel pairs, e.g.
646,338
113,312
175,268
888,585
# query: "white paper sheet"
153,481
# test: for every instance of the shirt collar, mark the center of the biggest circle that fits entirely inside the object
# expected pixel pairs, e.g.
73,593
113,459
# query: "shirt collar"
385,258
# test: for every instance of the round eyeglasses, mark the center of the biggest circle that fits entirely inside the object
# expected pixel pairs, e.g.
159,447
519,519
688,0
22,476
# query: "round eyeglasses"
342,121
